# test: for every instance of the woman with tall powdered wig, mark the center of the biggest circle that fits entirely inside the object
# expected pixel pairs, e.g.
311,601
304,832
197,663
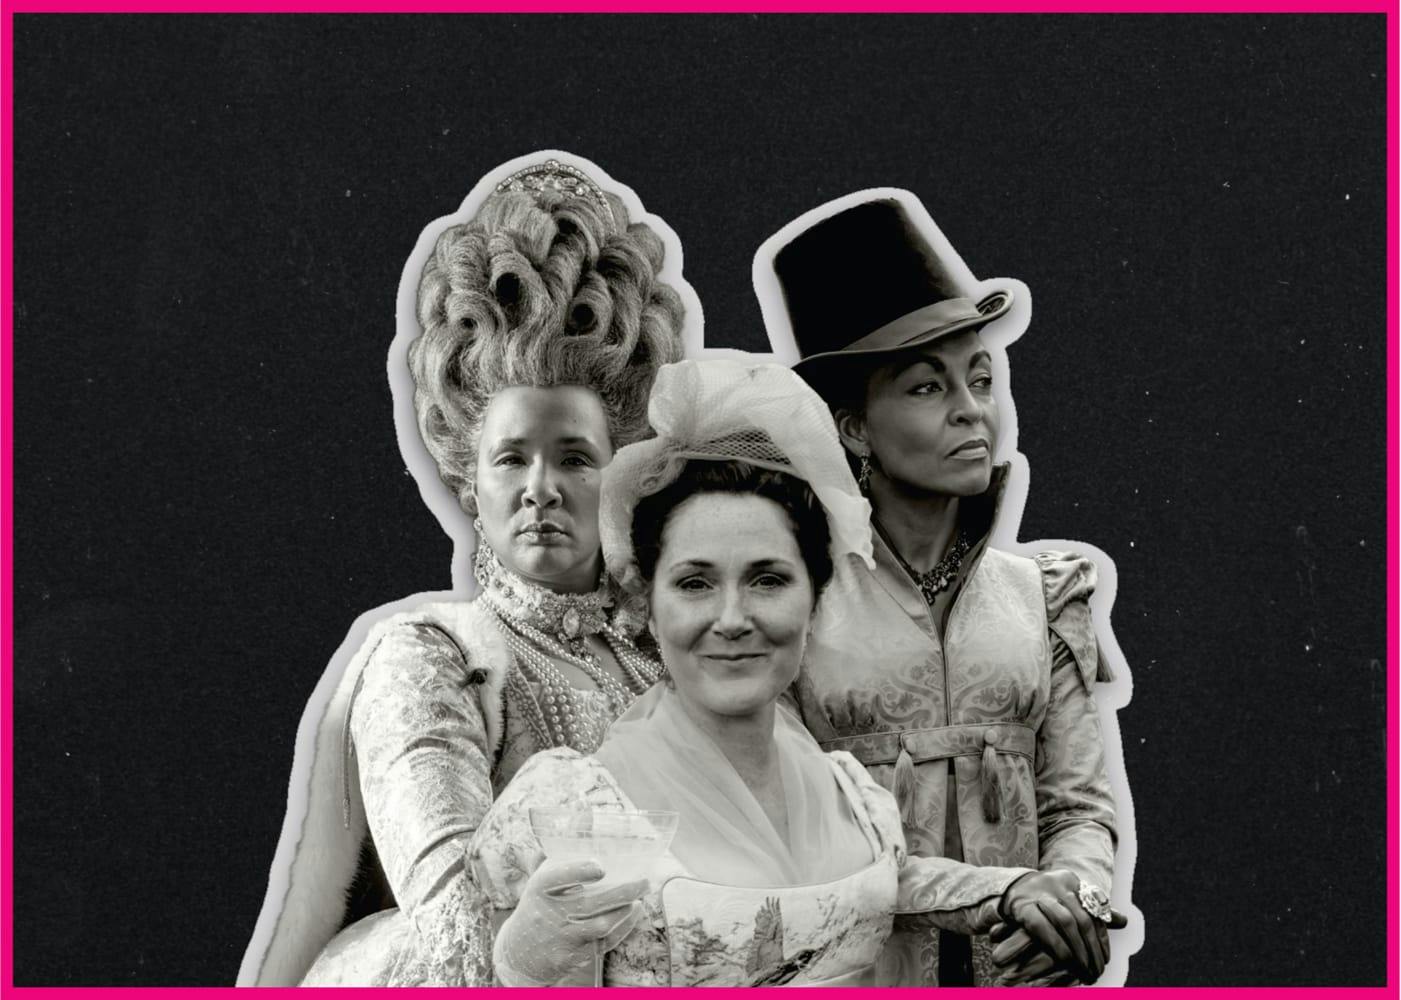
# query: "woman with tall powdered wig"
960,674
543,324
787,862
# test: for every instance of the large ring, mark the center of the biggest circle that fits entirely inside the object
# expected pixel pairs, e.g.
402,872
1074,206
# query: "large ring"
1095,901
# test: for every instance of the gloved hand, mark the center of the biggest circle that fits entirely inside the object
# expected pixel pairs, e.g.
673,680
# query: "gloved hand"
1054,931
553,930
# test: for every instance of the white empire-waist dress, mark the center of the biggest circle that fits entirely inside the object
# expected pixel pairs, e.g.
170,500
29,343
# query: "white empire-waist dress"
732,903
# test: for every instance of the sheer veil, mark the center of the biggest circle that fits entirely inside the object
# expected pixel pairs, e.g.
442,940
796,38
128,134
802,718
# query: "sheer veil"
663,760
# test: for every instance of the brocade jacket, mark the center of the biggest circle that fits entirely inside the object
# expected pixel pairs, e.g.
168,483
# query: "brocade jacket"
986,730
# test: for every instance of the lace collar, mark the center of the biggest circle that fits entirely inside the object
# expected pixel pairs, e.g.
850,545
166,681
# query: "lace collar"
565,616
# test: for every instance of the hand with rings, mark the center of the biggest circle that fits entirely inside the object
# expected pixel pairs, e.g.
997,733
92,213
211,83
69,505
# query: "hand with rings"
1053,921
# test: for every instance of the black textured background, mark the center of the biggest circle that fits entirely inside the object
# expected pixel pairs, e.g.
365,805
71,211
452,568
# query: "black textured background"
211,216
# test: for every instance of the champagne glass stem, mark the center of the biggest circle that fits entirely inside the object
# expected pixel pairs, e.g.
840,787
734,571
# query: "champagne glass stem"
597,962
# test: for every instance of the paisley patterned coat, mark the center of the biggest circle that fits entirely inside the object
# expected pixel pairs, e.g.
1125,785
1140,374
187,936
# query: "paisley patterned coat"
987,730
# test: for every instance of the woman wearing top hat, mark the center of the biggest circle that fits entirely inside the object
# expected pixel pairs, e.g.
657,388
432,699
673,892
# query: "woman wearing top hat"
959,674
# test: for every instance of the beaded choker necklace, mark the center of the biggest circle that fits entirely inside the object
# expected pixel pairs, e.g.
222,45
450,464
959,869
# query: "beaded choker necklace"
542,628
569,618
939,577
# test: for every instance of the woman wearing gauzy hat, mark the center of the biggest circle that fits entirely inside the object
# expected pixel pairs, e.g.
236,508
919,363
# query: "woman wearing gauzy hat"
959,674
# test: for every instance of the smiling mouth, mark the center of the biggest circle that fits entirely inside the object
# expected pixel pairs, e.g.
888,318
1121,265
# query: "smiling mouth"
733,657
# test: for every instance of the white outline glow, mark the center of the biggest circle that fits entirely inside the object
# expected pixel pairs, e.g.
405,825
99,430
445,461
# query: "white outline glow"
436,496
456,525
997,336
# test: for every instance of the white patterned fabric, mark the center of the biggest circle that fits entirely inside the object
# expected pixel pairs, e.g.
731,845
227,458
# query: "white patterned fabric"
430,766
993,706
711,918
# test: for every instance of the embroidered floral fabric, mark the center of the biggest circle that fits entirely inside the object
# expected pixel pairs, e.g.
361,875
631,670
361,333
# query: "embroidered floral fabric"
698,931
428,772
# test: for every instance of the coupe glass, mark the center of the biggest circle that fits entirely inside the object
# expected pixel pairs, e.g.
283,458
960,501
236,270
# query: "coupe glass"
625,843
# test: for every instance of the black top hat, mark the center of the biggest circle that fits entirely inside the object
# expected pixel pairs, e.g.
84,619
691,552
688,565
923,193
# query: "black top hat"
865,282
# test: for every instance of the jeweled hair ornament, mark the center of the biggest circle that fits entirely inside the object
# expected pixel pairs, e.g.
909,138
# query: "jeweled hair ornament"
722,410
552,175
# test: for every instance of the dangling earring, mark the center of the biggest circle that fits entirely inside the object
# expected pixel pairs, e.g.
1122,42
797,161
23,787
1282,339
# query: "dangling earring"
476,516
863,479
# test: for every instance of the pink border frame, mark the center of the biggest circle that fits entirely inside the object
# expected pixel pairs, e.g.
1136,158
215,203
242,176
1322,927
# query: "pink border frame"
1393,372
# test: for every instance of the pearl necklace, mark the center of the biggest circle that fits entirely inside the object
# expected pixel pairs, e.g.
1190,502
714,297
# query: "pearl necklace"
557,714
539,625
569,617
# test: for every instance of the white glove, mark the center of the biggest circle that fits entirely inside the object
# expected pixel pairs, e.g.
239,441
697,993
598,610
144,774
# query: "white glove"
560,916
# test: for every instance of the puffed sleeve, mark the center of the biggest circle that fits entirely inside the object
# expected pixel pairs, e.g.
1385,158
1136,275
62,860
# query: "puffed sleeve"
933,892
420,743
1068,580
1074,804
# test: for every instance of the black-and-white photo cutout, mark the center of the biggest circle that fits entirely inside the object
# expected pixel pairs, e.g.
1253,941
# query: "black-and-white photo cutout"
752,682
700,499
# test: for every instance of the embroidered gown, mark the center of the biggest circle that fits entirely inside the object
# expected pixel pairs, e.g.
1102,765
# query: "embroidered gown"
732,903
445,704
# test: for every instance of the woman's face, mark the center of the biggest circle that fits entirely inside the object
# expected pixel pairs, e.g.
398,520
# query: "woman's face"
731,602
931,423
538,467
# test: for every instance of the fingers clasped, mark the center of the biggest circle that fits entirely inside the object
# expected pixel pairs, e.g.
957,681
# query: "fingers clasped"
1053,921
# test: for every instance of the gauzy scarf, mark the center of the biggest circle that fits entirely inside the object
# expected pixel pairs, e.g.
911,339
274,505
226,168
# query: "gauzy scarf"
663,760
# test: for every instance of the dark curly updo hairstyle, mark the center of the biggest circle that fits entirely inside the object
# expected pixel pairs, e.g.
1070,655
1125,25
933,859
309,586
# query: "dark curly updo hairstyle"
805,514
540,289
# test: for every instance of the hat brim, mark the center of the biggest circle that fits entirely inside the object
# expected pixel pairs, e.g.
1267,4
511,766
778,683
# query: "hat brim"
819,369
